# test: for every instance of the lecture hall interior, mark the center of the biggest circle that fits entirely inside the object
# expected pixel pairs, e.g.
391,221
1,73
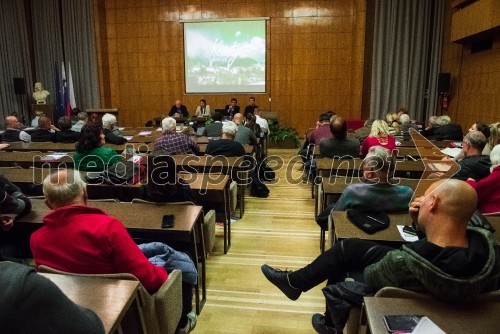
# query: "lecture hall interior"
360,59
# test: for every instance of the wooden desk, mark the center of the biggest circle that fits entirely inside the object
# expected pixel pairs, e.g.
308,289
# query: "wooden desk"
29,159
451,318
111,299
212,191
342,228
188,224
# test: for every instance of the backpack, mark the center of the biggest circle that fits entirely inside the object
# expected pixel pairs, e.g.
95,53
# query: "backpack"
266,173
258,189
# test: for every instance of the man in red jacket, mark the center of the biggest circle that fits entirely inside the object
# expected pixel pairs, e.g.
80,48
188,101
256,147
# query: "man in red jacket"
85,240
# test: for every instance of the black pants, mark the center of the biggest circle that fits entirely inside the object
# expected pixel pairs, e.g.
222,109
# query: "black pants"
350,256
187,302
322,217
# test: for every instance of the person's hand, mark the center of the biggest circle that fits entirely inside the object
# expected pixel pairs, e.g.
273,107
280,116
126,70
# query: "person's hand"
53,127
6,223
177,115
414,208
471,180
2,146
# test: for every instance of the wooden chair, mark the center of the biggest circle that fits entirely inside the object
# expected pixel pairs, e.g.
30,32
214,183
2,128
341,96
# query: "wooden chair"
162,310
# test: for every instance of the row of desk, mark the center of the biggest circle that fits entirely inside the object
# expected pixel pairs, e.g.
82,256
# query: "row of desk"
143,222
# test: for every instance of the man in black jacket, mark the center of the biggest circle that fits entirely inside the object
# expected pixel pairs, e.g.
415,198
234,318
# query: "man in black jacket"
45,132
66,135
178,110
13,131
474,165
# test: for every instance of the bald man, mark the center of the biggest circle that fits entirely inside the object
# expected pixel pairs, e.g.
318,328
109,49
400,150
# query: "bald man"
178,110
13,131
244,135
453,262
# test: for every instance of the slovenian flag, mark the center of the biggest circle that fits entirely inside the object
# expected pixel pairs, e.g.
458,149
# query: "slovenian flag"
68,92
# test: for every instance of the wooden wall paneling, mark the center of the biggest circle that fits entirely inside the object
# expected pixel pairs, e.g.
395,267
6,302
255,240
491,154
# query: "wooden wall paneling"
310,55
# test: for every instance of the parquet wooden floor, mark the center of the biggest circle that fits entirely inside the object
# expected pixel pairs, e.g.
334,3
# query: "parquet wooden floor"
280,231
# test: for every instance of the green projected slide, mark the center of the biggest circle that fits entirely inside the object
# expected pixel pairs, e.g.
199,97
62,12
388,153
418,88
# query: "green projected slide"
225,57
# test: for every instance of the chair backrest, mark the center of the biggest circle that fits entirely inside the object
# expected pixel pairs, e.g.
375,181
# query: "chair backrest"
392,292
125,276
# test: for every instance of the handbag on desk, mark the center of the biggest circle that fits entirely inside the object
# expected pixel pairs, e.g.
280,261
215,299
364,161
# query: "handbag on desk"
369,221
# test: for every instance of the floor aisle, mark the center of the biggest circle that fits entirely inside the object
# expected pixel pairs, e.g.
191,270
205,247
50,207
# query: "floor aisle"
278,230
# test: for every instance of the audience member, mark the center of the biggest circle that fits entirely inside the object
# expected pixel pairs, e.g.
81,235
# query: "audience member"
231,109
361,133
214,129
178,110
454,263
251,123
339,145
31,303
13,131
321,132
430,127
402,111
392,123
66,135
494,134
83,118
446,130
485,130
173,142
250,107
14,244
104,245
406,125
264,125
90,155
488,189
45,131
203,110
34,121
474,165
376,192
244,135
379,136
111,132
226,146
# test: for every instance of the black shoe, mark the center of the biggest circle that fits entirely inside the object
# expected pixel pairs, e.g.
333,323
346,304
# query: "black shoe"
280,279
319,325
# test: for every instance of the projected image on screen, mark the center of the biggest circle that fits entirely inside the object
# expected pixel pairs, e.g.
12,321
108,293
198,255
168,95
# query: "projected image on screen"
225,57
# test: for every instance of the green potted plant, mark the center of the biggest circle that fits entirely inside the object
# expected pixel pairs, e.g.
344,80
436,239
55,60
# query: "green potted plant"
282,137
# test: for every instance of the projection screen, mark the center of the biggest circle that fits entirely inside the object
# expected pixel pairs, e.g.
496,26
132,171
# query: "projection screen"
225,57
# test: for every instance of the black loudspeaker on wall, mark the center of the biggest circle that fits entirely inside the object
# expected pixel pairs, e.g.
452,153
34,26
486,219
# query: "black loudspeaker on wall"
444,80
19,86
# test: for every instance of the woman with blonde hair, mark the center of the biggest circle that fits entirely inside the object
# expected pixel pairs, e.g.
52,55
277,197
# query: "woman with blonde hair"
379,136
391,120
494,138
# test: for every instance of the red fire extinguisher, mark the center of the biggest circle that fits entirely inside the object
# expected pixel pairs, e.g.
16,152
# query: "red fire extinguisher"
444,102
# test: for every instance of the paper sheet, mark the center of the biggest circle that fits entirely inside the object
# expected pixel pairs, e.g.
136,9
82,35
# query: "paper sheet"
426,326
451,151
144,133
121,128
128,137
439,166
406,236
54,156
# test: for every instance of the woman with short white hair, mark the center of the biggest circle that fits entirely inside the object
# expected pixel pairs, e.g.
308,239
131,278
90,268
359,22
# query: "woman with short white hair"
111,132
487,189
